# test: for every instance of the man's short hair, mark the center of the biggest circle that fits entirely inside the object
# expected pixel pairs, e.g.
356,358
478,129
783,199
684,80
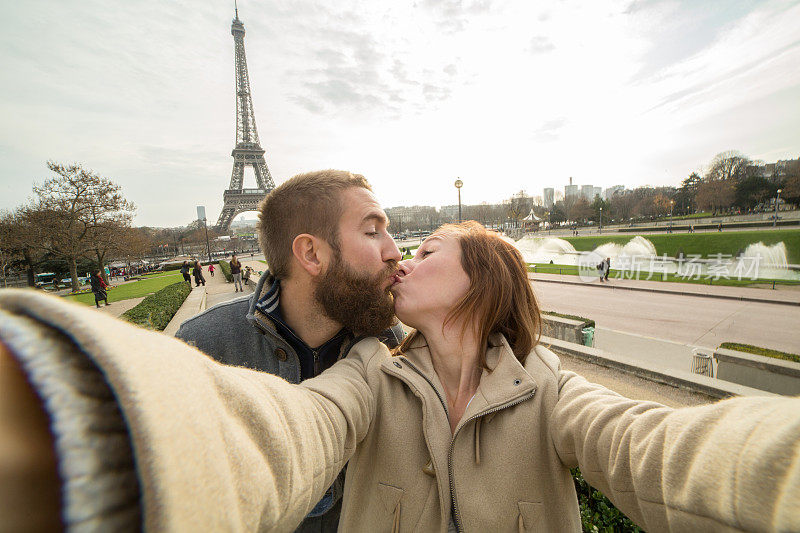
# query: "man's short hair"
306,203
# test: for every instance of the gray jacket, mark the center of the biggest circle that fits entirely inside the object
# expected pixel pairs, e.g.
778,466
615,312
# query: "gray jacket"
235,333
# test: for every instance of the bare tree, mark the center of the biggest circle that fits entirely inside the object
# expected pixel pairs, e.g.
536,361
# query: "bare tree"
518,207
715,195
730,165
17,238
622,205
72,213
9,248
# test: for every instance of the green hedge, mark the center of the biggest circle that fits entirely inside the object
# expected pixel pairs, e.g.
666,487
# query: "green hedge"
155,311
225,267
757,350
597,512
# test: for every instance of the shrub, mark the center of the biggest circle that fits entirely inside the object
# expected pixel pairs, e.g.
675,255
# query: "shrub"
225,267
757,350
155,311
597,511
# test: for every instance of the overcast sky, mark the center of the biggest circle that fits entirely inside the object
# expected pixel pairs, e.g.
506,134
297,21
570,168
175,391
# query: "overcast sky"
503,94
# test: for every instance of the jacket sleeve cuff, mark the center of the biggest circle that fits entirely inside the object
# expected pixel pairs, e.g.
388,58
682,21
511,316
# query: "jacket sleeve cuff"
100,488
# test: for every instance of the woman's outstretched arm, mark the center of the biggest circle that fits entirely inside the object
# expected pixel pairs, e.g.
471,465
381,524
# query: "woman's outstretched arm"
731,465
143,420
29,483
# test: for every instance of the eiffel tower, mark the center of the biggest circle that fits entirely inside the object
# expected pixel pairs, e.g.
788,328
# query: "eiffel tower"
248,149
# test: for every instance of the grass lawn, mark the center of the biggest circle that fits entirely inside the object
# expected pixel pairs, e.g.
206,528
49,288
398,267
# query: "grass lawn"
134,289
572,270
757,350
703,244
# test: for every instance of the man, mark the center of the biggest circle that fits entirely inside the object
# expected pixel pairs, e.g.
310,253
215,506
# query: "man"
331,263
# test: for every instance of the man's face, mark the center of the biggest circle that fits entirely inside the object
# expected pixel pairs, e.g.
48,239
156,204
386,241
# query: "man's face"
354,290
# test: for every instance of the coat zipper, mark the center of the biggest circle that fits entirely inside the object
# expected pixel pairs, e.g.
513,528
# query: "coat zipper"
315,353
456,512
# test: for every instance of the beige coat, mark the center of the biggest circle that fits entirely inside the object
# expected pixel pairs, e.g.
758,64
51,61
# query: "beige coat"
229,449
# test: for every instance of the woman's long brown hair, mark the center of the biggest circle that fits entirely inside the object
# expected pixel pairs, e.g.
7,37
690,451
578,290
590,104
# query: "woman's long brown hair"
500,298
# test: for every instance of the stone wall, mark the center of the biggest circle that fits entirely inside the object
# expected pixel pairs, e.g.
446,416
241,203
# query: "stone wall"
565,329
757,371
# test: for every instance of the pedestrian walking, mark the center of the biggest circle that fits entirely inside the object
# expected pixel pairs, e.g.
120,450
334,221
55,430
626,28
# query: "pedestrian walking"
246,275
600,266
606,268
197,272
211,269
185,272
99,288
236,272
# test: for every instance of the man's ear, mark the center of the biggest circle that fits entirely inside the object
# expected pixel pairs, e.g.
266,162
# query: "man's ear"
311,253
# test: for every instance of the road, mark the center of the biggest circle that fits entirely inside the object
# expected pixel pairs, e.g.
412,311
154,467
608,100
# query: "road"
677,319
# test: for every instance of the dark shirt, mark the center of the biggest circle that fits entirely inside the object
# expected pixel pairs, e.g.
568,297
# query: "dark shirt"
313,361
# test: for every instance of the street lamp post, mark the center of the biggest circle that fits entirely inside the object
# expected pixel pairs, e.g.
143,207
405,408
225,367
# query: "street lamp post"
201,214
671,205
601,220
777,200
208,246
458,185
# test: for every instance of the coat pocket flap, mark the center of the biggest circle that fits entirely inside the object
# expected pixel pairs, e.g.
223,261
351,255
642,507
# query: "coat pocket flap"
530,512
389,495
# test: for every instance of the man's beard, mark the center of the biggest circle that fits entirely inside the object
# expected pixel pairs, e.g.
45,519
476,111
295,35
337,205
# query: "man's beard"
357,301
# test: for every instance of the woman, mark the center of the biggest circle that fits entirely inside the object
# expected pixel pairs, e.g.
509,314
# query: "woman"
197,271
236,272
99,288
185,272
471,426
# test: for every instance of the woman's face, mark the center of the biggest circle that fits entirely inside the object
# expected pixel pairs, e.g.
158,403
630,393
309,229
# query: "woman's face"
429,285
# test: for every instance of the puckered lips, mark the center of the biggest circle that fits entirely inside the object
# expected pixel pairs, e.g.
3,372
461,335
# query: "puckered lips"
395,279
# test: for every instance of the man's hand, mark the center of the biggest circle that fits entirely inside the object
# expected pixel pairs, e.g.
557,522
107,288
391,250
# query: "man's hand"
29,482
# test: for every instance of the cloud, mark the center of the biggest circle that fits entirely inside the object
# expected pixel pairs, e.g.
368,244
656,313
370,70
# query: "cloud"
744,63
541,45
548,132
454,15
353,71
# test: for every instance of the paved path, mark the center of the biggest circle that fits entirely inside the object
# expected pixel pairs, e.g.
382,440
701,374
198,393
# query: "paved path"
789,294
634,387
686,320
218,290
117,308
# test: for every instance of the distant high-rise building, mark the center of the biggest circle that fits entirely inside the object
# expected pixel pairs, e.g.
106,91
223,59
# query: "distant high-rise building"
549,197
587,191
571,190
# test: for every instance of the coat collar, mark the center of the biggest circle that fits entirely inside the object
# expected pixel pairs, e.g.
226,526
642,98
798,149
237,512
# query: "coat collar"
505,383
